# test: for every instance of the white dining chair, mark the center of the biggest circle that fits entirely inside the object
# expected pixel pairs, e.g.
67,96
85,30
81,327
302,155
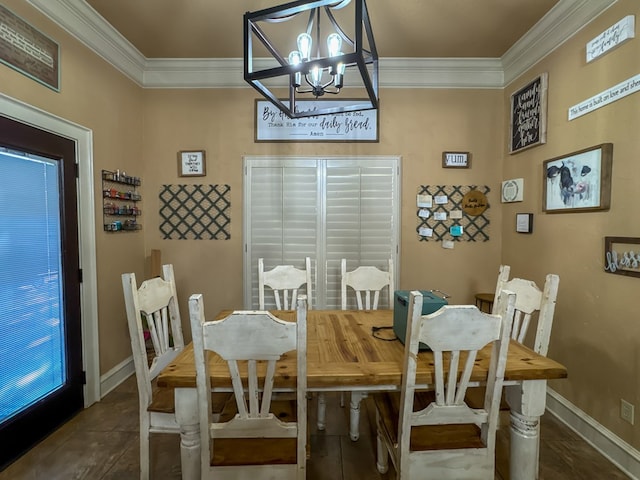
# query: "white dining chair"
532,305
153,307
436,434
284,281
530,300
257,436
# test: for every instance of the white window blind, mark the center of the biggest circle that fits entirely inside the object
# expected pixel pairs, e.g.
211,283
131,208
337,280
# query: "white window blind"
324,208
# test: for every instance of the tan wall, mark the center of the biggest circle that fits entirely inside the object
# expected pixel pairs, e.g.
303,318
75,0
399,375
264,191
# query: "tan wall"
596,331
93,94
417,125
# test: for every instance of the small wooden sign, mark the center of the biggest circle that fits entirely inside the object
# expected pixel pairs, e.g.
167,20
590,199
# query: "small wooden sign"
456,160
474,203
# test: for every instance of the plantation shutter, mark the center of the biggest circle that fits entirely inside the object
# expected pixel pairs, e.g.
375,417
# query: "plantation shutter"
326,209
360,221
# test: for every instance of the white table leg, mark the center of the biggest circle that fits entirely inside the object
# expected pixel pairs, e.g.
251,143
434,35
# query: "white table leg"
354,414
527,402
322,410
187,417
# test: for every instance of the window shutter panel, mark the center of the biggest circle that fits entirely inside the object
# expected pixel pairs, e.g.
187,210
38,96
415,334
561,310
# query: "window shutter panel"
326,209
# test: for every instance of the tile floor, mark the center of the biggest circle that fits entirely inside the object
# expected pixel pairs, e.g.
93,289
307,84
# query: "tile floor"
101,443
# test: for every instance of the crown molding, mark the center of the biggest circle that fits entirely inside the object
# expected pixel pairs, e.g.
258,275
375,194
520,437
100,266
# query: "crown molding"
91,29
393,73
81,21
441,73
561,23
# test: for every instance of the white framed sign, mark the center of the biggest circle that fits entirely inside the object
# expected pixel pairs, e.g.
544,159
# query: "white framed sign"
456,159
273,125
191,163
524,222
512,190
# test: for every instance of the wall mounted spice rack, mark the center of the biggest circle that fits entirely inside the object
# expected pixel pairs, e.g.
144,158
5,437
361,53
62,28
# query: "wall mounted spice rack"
120,197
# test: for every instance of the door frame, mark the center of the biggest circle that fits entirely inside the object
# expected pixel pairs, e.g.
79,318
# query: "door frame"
83,137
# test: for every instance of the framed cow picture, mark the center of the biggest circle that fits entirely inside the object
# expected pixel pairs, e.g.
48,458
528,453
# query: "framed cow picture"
579,181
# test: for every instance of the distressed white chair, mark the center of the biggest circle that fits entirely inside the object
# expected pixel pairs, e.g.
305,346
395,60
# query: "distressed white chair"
367,283
435,434
255,438
285,281
153,306
529,301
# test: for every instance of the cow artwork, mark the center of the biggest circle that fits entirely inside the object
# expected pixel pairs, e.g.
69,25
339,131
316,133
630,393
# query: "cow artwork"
573,181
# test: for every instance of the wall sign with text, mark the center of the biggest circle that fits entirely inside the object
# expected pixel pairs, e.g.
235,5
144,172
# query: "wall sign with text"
529,115
456,160
273,125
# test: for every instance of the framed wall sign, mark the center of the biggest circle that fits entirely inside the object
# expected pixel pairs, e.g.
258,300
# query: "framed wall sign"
273,125
191,163
579,181
529,115
25,49
524,222
512,190
456,160
622,256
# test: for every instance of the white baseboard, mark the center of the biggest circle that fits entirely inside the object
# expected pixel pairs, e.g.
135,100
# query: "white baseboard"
619,452
116,376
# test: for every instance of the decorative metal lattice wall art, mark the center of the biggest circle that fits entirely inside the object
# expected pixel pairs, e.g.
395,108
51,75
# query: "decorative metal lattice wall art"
195,212
458,210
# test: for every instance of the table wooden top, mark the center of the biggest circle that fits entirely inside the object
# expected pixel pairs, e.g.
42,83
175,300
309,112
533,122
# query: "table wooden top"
342,353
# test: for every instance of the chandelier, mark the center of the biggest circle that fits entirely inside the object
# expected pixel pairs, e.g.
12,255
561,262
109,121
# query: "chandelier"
301,44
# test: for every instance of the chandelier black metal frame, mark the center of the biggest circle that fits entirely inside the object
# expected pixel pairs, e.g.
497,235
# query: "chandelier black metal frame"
308,73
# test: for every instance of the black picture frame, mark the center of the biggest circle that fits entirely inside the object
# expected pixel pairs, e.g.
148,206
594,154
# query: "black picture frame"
528,115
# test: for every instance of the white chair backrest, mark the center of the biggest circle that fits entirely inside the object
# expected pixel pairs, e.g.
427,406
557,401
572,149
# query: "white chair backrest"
257,339
366,280
455,334
285,281
154,307
530,300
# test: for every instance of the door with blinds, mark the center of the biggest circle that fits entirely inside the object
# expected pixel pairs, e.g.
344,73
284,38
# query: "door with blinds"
41,379
323,208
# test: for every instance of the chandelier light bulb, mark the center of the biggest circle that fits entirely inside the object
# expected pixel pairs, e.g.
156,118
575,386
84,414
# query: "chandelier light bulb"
334,44
304,46
295,59
316,76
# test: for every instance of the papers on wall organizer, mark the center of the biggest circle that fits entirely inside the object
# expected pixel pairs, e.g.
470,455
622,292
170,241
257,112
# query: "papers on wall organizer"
455,214
456,230
441,199
447,244
440,216
425,201
424,213
425,232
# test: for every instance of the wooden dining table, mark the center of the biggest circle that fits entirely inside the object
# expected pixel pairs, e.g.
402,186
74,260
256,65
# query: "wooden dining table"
344,354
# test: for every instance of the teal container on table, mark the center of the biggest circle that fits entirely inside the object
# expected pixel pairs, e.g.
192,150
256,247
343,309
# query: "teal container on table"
430,303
